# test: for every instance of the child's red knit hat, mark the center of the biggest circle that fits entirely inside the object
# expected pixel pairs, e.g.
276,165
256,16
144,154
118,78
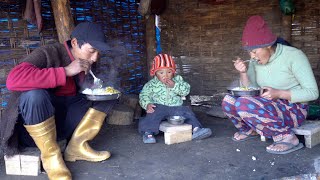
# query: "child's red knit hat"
162,61
257,34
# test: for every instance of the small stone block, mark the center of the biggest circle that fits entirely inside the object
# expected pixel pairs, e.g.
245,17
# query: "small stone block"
130,100
13,166
177,137
307,128
30,168
121,115
26,163
311,132
312,140
169,128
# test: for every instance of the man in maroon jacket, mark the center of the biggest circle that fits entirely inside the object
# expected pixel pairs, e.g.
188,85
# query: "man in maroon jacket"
49,106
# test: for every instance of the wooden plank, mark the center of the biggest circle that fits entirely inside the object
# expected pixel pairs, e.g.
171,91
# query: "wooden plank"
150,40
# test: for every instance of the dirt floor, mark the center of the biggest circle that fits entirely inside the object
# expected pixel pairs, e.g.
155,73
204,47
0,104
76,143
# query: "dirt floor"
215,158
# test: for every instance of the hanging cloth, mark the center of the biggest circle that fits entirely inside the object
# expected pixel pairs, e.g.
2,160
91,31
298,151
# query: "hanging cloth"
287,7
144,7
32,13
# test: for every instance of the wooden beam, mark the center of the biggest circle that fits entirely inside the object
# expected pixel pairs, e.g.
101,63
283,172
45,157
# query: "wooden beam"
63,19
150,40
286,27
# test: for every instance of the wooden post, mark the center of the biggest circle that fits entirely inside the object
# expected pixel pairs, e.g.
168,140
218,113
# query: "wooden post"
150,40
63,19
286,27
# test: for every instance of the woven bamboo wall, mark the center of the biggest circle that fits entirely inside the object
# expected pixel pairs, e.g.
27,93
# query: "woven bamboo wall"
18,38
125,31
123,27
204,36
306,32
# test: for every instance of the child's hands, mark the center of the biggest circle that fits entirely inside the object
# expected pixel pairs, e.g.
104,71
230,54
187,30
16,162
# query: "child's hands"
150,108
169,83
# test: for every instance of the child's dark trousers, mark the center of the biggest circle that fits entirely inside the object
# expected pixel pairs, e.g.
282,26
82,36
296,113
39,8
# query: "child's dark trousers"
151,122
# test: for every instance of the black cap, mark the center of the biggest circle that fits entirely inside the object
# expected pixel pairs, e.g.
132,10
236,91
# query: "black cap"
91,33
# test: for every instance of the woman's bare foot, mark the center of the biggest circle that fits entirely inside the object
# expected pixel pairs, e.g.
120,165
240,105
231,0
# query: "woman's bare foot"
239,136
292,139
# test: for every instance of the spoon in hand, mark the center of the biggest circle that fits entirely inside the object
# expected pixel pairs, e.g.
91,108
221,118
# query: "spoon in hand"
248,60
96,81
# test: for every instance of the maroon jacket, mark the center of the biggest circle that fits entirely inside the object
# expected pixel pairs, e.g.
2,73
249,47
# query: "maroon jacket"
29,75
42,69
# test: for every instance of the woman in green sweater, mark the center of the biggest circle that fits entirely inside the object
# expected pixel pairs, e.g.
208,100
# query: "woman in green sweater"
285,75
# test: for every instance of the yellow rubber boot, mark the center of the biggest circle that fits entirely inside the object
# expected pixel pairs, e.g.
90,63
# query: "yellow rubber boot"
44,135
78,147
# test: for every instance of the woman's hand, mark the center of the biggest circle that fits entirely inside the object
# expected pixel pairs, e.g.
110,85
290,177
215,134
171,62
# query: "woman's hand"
240,65
271,93
150,108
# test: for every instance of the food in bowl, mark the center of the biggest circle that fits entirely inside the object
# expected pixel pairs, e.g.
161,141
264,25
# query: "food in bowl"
100,91
176,120
244,91
245,88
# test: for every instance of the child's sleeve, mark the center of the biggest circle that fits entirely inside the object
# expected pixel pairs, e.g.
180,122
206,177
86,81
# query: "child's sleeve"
181,87
145,97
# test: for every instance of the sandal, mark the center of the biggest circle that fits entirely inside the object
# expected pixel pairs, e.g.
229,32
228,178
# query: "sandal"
291,148
247,137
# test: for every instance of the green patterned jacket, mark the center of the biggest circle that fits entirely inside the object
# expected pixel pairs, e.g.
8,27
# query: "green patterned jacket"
155,92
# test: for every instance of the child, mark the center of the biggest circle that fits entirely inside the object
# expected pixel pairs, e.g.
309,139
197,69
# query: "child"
161,97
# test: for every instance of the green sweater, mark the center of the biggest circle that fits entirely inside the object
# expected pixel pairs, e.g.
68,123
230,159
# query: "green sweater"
287,69
155,92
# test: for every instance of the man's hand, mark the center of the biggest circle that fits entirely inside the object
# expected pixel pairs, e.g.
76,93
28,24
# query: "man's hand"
77,66
150,108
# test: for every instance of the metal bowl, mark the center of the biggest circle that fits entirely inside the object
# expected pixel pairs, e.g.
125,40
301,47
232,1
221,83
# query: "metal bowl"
176,120
103,97
252,92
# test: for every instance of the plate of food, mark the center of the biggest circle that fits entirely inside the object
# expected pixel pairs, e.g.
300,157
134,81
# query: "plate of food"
101,94
244,91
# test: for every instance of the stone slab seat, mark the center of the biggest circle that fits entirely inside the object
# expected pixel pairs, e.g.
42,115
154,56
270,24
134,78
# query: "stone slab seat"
311,132
27,162
176,133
